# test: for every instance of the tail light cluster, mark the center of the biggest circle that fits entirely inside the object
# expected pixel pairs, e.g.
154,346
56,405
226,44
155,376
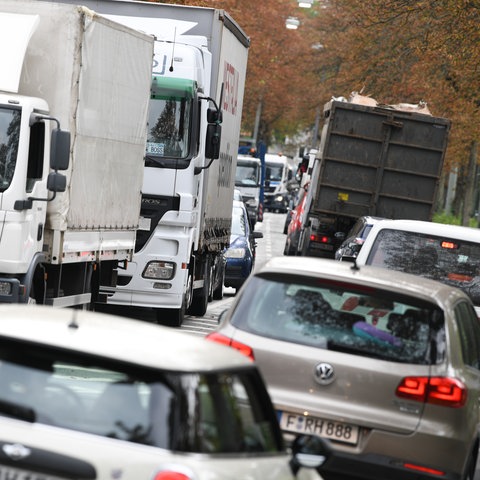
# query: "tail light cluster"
224,340
445,391
319,238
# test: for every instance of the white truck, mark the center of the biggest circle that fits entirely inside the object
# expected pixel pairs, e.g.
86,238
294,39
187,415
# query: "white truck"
193,135
62,234
248,178
279,171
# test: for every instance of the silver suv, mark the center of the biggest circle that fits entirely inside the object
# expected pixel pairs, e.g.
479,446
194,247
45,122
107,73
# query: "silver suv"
385,365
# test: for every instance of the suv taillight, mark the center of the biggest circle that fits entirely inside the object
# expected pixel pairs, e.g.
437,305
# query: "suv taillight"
445,391
224,340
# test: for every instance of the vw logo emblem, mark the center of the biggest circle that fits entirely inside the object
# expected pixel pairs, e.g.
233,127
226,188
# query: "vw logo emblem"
324,373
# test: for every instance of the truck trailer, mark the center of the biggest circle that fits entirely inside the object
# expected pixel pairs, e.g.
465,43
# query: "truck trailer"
193,129
73,105
373,160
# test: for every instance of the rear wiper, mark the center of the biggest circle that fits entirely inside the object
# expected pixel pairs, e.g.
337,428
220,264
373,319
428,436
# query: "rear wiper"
17,411
340,347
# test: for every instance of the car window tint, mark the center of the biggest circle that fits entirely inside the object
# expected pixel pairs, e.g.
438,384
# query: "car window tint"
238,222
340,317
451,261
468,326
215,412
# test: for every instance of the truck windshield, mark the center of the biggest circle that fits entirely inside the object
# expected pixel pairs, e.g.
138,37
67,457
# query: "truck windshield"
274,172
169,122
247,174
9,135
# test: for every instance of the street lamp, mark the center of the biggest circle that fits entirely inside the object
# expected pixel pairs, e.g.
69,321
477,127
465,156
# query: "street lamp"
292,23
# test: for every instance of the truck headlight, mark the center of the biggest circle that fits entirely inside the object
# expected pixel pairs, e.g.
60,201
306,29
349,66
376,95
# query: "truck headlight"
157,270
235,253
5,288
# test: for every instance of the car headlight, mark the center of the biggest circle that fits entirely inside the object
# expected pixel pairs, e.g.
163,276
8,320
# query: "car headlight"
235,253
279,198
159,270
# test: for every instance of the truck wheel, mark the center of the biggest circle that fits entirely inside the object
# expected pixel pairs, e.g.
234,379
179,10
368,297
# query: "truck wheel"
171,317
200,297
218,290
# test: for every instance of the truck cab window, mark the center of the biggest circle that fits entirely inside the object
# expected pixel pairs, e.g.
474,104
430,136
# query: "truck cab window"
170,121
35,155
9,135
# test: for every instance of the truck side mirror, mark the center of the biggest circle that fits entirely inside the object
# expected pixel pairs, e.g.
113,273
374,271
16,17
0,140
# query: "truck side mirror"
59,149
56,182
212,143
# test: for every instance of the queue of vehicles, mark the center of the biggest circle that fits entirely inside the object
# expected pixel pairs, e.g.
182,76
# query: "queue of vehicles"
193,124
163,246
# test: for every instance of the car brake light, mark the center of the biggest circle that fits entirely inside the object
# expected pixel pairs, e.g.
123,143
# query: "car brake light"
171,475
224,340
445,391
459,277
319,238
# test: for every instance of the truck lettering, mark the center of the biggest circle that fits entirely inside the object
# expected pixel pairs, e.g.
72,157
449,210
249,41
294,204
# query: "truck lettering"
230,93
225,170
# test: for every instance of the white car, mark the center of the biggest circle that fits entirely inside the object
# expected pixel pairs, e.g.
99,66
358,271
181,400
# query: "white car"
447,253
85,395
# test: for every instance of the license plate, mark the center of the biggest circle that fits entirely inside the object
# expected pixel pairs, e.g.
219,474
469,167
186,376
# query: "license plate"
9,473
321,246
341,432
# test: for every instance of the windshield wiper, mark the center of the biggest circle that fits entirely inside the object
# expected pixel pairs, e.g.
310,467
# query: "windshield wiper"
17,411
340,347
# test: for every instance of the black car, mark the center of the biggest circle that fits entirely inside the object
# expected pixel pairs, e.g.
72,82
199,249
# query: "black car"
355,237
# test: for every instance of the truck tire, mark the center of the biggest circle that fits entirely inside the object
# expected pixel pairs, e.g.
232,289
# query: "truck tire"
199,304
171,317
218,290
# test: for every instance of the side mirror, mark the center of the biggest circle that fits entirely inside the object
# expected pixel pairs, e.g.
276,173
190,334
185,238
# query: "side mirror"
212,142
56,182
60,149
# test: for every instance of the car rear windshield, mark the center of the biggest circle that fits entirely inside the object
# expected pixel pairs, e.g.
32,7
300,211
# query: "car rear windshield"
455,262
344,317
217,412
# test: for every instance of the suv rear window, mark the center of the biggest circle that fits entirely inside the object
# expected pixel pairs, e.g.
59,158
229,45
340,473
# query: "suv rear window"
214,412
344,317
455,262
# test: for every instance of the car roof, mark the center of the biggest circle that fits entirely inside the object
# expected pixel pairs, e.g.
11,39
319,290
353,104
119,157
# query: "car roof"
120,338
366,275
441,229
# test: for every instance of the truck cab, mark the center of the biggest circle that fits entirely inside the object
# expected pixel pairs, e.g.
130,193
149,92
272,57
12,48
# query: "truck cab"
248,181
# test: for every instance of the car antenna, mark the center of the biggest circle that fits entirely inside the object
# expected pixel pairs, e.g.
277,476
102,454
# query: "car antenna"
354,265
173,48
73,323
